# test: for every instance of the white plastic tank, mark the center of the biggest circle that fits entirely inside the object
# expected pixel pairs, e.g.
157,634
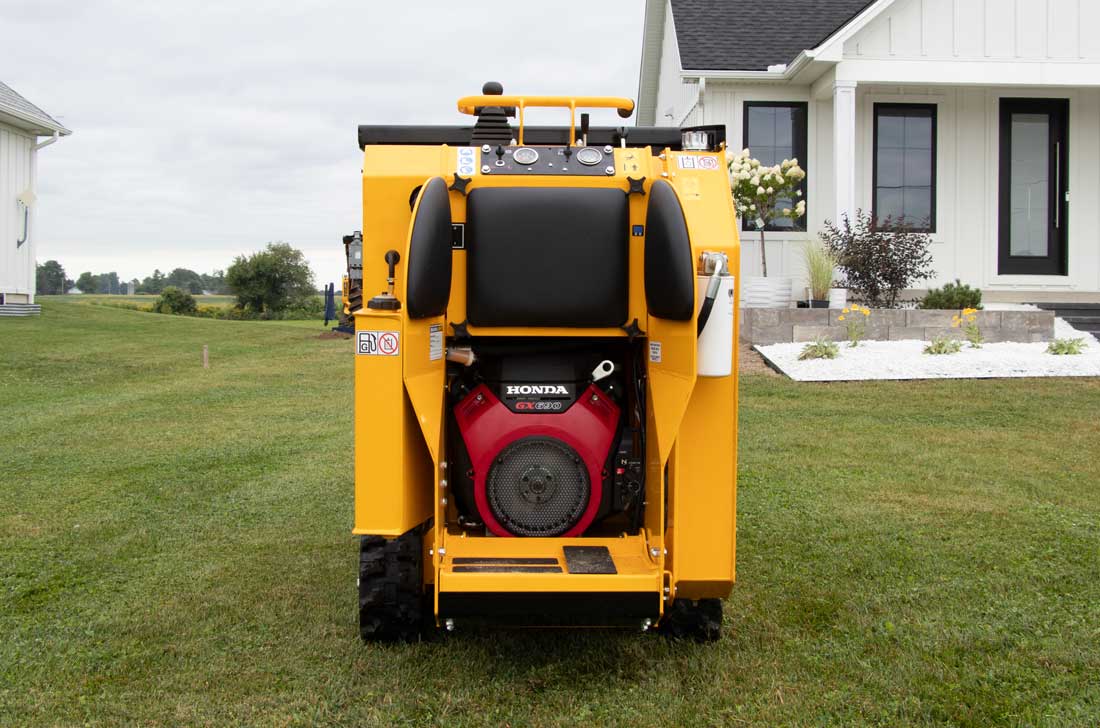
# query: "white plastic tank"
715,354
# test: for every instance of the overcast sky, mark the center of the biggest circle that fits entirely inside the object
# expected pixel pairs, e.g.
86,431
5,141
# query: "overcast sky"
202,130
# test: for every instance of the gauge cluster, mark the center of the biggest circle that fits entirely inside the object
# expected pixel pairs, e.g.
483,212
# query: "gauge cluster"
543,160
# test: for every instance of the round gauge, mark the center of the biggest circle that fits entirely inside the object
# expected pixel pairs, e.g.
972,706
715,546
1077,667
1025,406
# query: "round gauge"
589,156
525,155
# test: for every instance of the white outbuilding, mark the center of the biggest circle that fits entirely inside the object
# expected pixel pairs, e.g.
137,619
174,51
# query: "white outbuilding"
21,125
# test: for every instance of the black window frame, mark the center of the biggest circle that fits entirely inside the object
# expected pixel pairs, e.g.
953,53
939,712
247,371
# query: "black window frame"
799,146
934,186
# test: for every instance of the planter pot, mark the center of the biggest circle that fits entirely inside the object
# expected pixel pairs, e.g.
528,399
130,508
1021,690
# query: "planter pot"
838,297
819,303
761,292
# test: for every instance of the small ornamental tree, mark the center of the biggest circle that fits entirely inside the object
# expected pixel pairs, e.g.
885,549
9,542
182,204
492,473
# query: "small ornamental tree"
878,262
763,194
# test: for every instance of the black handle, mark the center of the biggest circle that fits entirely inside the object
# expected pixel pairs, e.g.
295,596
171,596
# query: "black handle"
392,259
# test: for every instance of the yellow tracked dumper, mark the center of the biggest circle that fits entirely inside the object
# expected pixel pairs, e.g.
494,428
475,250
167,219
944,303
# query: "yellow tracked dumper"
545,373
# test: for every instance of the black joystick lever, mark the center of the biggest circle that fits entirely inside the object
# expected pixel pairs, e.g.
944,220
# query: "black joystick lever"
392,259
386,301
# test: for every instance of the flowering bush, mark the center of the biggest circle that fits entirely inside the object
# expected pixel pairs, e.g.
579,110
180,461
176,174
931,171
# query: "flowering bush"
968,321
760,193
857,327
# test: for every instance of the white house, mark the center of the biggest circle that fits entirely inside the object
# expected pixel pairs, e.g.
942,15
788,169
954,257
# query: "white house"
21,124
980,118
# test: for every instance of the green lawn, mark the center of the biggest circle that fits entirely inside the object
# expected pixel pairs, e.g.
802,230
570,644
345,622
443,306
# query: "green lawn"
175,549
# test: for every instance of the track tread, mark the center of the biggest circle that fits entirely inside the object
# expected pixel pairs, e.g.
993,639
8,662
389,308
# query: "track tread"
390,591
700,620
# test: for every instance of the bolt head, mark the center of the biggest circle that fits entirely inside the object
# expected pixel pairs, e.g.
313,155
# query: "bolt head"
485,169
654,553
442,552
449,624
609,169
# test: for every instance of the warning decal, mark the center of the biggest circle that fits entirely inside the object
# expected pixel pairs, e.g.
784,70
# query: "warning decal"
377,343
708,162
435,342
687,162
655,352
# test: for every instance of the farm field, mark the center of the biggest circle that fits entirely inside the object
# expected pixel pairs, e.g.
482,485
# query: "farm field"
139,298
176,550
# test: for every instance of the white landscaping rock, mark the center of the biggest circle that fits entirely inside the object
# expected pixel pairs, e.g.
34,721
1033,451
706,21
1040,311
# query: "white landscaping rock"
906,360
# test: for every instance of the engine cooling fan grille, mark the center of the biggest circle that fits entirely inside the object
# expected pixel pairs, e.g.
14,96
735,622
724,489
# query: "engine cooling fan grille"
538,486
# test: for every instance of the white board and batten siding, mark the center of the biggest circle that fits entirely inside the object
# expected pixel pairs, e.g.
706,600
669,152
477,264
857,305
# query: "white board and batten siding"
963,56
17,171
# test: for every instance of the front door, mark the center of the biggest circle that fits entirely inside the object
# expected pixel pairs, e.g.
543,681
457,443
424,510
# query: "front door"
1034,169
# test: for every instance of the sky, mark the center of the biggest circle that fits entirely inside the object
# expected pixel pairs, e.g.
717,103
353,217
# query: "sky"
204,130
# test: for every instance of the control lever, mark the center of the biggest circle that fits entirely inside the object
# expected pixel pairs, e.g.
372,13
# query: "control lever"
584,129
386,301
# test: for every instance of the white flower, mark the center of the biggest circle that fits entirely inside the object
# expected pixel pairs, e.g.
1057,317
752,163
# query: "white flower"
760,191
745,152
786,212
752,208
771,190
799,193
755,181
800,208
786,163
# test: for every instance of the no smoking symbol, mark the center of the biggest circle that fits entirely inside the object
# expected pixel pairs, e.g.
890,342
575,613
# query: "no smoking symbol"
387,343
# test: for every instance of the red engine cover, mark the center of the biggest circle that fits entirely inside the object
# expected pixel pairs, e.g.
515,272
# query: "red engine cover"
488,426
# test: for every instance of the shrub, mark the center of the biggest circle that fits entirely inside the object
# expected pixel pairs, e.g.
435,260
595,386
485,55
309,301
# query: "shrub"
819,349
878,263
173,300
953,295
1066,347
943,345
271,281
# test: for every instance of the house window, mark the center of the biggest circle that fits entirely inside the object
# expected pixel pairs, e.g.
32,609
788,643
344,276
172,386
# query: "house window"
904,167
774,131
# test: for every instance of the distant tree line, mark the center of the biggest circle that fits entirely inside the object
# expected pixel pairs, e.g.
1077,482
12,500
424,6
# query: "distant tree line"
270,282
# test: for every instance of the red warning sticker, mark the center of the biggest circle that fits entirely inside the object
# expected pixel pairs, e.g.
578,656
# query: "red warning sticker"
706,162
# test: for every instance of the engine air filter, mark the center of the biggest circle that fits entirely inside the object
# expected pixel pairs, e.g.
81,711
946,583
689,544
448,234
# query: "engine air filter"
538,486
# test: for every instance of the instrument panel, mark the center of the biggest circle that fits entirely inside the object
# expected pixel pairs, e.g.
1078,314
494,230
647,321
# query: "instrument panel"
552,160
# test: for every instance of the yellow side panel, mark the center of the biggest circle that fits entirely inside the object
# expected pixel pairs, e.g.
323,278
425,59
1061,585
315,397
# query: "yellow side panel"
394,476
703,466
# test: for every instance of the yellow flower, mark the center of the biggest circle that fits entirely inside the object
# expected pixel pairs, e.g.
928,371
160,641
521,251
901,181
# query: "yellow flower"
866,312
841,317
845,311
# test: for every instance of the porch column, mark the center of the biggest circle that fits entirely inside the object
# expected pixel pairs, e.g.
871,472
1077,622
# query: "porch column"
844,148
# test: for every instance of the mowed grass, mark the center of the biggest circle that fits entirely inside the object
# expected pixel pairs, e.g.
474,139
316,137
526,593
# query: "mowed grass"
175,549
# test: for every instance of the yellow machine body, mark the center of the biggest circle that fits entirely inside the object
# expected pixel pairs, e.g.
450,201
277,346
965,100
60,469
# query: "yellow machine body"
685,547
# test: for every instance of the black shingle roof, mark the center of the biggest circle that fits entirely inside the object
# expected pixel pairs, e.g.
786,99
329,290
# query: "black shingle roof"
750,35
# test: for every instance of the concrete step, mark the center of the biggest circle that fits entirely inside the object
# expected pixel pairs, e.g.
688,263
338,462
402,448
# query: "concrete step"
1090,324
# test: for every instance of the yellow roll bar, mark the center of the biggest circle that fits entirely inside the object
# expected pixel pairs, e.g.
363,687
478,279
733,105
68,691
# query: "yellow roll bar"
625,106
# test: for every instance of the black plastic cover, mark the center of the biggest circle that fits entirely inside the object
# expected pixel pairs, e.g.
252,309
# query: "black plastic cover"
669,274
429,281
546,256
